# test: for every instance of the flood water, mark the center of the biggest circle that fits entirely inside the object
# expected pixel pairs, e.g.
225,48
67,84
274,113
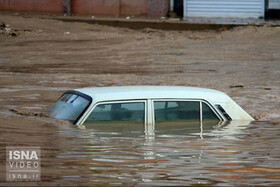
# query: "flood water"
234,154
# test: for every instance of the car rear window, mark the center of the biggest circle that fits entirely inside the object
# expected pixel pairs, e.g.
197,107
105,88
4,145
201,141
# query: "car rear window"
69,107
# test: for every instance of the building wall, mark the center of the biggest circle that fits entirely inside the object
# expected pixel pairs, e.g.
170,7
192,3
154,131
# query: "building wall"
133,7
157,8
109,7
151,8
95,7
274,4
51,6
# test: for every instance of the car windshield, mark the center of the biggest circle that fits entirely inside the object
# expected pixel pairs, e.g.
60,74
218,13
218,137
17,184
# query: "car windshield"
69,107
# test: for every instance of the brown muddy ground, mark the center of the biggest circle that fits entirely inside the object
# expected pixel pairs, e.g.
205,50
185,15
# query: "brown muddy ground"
42,58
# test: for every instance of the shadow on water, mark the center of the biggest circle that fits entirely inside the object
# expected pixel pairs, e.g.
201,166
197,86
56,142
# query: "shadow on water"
166,154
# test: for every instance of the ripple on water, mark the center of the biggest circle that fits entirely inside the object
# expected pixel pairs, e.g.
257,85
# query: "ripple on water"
236,154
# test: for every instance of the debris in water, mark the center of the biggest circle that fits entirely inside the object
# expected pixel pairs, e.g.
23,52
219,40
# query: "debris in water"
29,113
149,30
7,31
2,25
237,86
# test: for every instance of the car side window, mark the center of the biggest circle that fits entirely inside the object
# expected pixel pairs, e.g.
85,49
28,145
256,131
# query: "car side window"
130,112
176,111
183,111
208,114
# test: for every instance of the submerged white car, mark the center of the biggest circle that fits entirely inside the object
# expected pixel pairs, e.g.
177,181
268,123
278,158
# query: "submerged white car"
146,105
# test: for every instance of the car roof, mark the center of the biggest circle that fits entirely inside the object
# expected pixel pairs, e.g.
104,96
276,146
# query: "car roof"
152,92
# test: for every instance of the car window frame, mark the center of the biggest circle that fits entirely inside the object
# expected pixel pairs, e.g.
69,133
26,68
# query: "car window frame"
91,109
185,100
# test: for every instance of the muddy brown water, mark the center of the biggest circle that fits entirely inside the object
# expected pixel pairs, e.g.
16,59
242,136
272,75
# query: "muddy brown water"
49,57
233,154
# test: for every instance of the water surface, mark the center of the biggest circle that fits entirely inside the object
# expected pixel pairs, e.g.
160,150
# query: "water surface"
110,154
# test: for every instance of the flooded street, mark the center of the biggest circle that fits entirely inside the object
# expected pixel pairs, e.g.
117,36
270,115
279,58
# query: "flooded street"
47,57
236,154
41,58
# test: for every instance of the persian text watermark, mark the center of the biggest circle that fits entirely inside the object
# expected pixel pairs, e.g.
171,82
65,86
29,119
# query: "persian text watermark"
23,163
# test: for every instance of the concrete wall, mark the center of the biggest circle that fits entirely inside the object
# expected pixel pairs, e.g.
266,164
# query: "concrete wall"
151,8
51,6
